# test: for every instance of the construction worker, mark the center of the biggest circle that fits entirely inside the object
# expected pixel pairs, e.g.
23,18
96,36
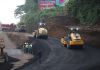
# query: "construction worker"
30,48
26,47
23,47
2,46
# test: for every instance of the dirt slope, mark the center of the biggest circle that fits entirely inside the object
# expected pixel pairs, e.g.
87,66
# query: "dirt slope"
56,25
56,28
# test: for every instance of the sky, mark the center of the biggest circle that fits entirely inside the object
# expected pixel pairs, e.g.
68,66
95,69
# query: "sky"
7,8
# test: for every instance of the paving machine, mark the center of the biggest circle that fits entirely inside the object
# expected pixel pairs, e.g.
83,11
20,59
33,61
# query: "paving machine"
3,55
73,39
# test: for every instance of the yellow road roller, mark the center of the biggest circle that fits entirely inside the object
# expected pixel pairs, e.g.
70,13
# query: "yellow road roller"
41,32
73,39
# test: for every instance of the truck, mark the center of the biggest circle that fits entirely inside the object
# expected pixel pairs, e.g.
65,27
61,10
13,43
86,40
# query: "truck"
21,28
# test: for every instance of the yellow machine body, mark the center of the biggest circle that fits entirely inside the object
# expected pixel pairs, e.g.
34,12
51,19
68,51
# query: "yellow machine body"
76,39
73,40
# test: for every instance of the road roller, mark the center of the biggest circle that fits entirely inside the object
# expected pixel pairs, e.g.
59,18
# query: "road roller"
41,33
73,39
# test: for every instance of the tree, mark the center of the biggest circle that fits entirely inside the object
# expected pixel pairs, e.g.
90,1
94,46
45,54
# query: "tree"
87,11
30,14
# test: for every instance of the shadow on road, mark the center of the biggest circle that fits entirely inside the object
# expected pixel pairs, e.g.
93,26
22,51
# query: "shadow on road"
8,65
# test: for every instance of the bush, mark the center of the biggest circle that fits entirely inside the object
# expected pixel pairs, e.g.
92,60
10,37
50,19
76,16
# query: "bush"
87,11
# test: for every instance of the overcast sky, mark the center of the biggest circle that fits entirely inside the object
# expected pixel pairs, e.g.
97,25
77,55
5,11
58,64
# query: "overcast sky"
7,8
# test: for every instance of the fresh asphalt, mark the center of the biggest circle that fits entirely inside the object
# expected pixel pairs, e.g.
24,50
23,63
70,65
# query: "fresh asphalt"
58,57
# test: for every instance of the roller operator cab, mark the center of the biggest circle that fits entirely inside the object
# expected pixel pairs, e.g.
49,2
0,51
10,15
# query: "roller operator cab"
73,40
41,33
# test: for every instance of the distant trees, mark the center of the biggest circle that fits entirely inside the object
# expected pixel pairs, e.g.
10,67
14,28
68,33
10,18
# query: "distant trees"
27,13
30,14
87,11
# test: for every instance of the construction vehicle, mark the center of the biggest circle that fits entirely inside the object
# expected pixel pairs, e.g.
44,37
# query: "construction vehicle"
3,55
73,39
21,28
41,33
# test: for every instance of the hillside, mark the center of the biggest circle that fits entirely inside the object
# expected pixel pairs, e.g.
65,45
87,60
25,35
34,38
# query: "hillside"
57,25
57,28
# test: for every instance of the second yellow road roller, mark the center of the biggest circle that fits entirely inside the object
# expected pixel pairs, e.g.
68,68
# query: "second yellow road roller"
73,39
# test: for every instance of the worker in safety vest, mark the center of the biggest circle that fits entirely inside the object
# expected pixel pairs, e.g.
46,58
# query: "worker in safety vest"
25,47
30,48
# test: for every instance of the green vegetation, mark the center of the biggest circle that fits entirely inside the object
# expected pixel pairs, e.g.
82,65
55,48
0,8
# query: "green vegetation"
30,14
27,13
87,11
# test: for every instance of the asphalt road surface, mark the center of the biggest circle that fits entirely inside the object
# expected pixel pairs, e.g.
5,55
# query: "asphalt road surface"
61,58
56,57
